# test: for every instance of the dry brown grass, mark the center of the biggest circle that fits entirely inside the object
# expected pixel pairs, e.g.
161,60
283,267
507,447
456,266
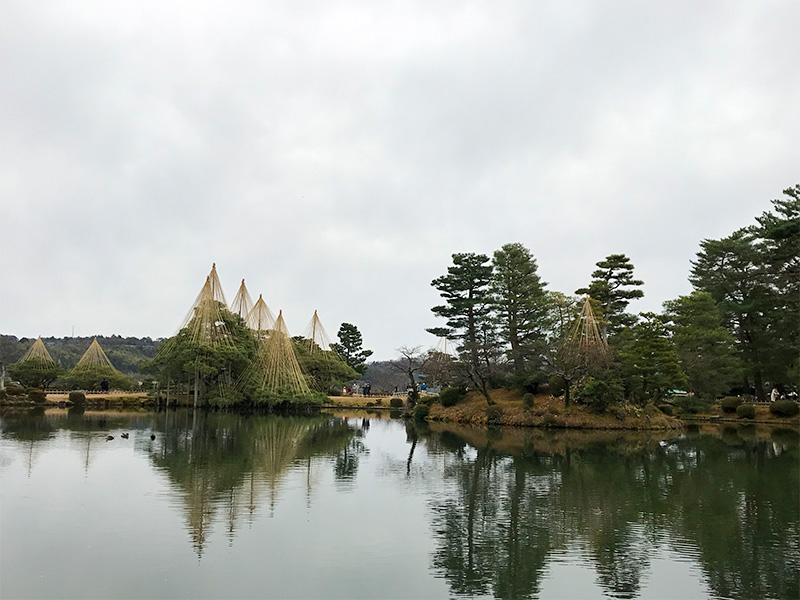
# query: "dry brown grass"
359,401
548,411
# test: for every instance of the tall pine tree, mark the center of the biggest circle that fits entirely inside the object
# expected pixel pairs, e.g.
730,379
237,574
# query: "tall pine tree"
613,287
521,303
468,311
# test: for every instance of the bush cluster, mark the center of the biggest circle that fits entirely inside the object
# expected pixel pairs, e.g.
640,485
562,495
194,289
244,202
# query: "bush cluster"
598,394
746,411
450,396
77,397
693,405
527,401
555,385
784,408
421,412
38,396
396,402
667,409
494,414
729,404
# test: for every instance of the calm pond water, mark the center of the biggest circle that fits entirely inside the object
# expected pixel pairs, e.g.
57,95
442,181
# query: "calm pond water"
220,505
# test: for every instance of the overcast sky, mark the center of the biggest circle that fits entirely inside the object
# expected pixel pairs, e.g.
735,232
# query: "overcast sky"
335,154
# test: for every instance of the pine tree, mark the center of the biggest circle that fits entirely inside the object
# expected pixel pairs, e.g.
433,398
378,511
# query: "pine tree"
468,311
732,271
649,360
706,350
520,301
613,287
349,347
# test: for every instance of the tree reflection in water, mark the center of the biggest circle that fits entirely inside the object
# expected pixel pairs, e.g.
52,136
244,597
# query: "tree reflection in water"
518,504
223,461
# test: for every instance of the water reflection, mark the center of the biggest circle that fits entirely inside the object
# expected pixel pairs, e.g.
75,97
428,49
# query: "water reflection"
505,507
521,500
220,461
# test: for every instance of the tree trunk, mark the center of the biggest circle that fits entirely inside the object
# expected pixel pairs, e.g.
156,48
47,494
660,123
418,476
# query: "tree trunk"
566,392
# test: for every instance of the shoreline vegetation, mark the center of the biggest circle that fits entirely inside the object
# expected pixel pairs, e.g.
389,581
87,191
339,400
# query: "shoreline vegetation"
547,411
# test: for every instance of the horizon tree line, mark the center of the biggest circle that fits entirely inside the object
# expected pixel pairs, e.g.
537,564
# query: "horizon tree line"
737,332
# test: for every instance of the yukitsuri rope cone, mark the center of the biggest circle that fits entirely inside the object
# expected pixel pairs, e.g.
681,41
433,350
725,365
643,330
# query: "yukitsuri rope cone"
316,337
38,353
586,331
242,303
260,318
276,369
204,319
444,347
94,360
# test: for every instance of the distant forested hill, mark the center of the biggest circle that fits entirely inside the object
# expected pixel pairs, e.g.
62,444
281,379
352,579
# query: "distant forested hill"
126,354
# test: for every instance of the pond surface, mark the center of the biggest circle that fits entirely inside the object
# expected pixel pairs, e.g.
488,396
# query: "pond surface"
225,506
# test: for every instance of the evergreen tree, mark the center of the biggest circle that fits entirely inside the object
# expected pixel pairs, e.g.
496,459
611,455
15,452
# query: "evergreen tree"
350,347
613,287
325,369
468,311
648,360
779,235
214,369
520,302
706,350
732,271
35,372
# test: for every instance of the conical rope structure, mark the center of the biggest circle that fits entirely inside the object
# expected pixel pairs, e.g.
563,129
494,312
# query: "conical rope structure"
260,318
315,335
207,325
38,353
586,333
444,347
276,369
242,303
94,360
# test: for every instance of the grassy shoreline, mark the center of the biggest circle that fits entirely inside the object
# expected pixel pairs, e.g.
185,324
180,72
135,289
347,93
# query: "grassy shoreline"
547,411
550,412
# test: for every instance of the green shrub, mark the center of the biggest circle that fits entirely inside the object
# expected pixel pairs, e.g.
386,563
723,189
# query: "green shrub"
599,393
494,414
527,401
77,397
667,409
551,420
729,404
37,396
784,408
555,385
693,405
15,389
450,396
396,402
421,411
746,411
